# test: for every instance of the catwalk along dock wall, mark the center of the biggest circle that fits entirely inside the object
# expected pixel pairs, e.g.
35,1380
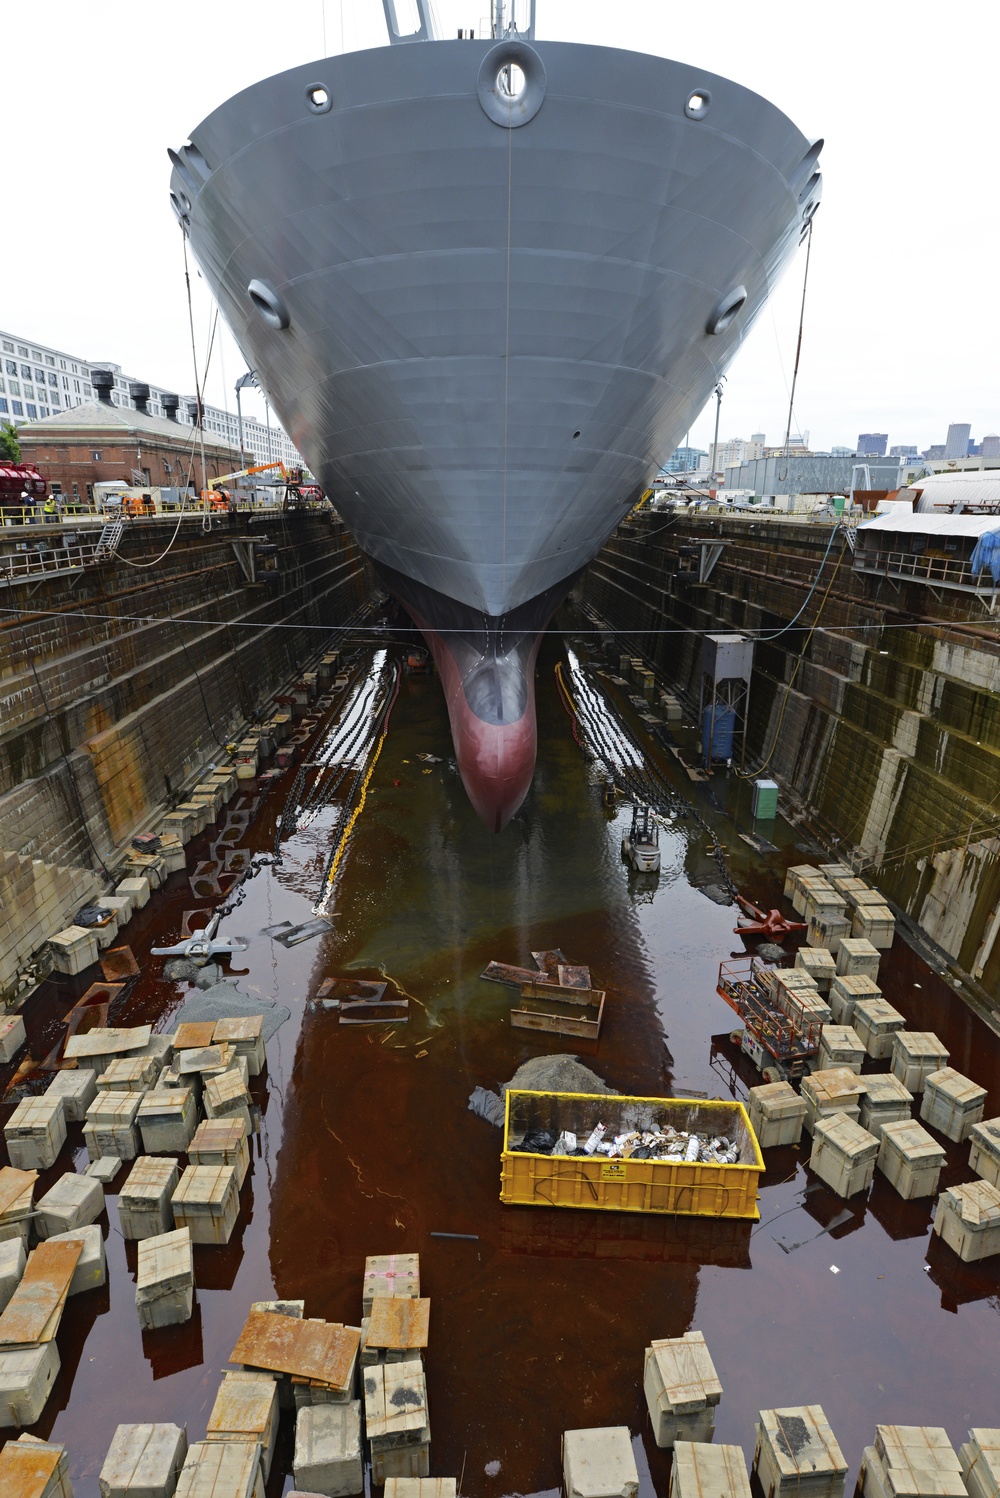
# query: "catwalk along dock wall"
118,680
883,720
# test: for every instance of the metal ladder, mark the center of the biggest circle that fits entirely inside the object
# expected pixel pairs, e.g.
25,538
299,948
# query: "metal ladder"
107,541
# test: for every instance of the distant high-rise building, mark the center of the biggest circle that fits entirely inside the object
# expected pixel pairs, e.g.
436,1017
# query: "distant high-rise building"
956,443
990,446
902,452
684,460
872,444
935,452
972,451
842,452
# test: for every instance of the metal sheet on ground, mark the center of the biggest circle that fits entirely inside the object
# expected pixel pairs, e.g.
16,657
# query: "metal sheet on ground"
309,1349
398,1324
13,1185
26,1468
107,1042
33,1312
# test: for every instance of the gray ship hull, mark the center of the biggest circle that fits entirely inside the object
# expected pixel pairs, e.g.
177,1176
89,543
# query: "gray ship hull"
486,321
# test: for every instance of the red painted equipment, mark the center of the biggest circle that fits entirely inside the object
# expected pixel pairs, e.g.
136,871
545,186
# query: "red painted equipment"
769,923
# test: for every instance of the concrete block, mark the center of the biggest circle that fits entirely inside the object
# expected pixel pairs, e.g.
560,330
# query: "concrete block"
226,1096
828,931
952,1104
26,1378
73,950
246,1409
104,1170
915,1054
819,964
831,1092
704,1471
420,1487
92,1266
77,1087
886,1101
172,853
246,1036
857,957
144,1203
599,1463
133,1073
12,1261
968,1219
111,1128
164,1293
121,905
979,1459
148,866
796,1452
221,1469
327,1456
840,1045
167,1119
843,1154
207,1202
143,1461
181,824
984,1150
136,888
911,1461
682,1389
407,1462
36,1132
910,1159
12,1036
876,1022
221,1141
396,1276
73,1202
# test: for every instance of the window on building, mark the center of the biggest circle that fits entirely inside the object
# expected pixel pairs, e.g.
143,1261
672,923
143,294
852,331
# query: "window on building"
17,408
53,378
3,405
36,353
25,371
76,385
32,412
10,366
54,397
62,363
8,348
51,362
29,391
65,380
86,389
40,376
43,410
76,490
15,387
74,368
56,487
2,385
22,351
96,457
90,492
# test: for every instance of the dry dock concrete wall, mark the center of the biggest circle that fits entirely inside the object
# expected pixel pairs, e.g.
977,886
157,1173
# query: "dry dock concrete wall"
119,680
878,709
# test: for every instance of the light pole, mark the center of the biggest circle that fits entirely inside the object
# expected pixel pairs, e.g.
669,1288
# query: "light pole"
718,410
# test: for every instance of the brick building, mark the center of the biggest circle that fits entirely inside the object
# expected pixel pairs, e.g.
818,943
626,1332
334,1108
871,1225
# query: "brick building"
97,443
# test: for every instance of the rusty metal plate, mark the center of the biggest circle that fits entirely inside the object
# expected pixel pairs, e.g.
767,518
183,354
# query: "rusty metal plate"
26,1468
244,1405
33,1312
573,977
13,1185
194,1035
398,1324
505,972
108,1042
309,1349
548,961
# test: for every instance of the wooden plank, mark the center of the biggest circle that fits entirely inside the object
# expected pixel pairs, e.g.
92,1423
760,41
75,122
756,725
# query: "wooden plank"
398,1324
34,1310
283,1344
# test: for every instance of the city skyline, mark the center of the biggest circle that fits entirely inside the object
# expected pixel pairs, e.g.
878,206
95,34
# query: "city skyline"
895,319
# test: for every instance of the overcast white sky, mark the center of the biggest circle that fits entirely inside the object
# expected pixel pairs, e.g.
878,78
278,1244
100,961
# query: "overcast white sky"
902,319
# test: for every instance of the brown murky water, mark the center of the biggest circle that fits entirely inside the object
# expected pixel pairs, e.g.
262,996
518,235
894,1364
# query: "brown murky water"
367,1146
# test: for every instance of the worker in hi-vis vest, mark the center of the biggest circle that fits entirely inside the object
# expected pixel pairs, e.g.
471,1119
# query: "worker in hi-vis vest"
49,510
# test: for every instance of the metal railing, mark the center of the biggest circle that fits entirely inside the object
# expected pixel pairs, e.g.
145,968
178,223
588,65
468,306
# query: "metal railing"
83,512
938,571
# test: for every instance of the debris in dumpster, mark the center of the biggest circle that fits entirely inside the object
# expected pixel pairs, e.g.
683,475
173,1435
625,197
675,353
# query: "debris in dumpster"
665,1144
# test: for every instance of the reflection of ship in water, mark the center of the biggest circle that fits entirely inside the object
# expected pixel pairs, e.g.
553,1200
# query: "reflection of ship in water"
560,1233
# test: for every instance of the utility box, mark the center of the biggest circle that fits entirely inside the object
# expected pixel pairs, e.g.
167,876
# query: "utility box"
765,800
682,1389
797,1455
776,1114
599,1463
886,1101
910,1159
876,1022
952,1104
915,1055
843,1155
727,657
968,1219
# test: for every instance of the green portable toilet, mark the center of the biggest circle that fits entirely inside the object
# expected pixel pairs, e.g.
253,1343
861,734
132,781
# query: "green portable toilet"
765,800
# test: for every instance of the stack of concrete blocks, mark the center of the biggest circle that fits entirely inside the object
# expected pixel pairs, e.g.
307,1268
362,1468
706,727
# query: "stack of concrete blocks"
395,1331
207,1203
797,1454
682,1389
172,853
910,1159
819,964
840,1046
776,1114
136,889
827,931
144,1203
846,992
12,1036
703,1471
392,1276
979,1460
134,1073
246,1409
221,1469
851,887
17,1189
828,1093
843,1155
225,778
77,1087
915,1055
164,1289
246,1036
421,1487
599,1463
984,1151
111,1125
144,1461
886,1101
73,1202
327,1457
397,1423
96,1049
167,1119
857,958
952,1104
910,1461
793,888
968,1219
178,824
74,949
36,1132
36,899
30,1468
12,1261
26,1378
91,1270
875,923
795,993
121,905
201,1062
221,1141
820,898
226,1096
876,1022
148,866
